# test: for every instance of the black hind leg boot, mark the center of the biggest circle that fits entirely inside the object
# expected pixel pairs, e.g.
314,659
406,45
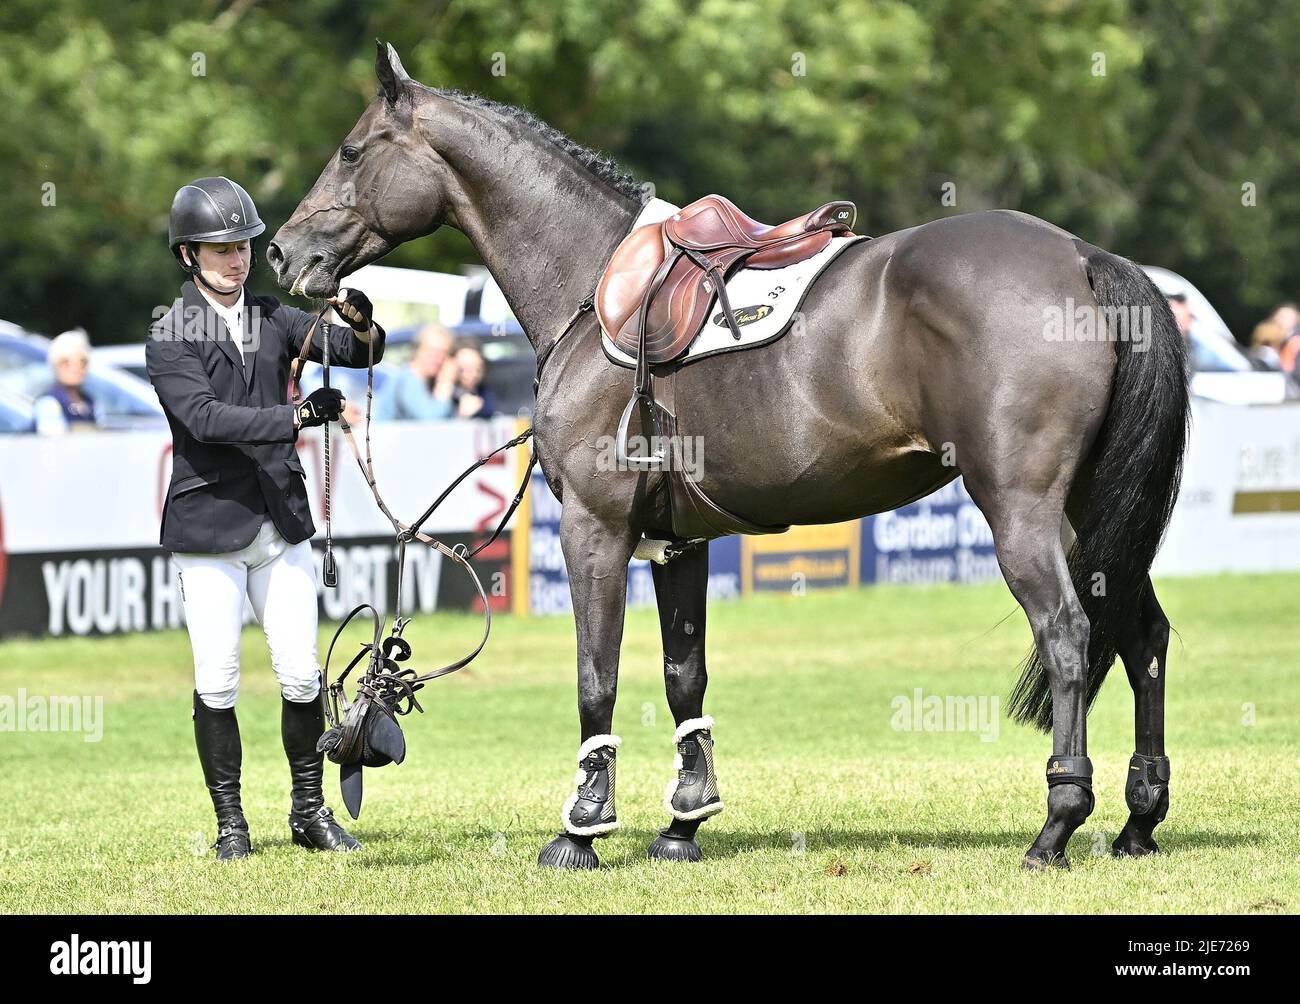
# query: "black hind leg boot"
692,796
216,734
310,820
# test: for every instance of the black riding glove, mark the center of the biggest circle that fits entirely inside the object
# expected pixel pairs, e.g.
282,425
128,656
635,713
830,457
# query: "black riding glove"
354,307
320,406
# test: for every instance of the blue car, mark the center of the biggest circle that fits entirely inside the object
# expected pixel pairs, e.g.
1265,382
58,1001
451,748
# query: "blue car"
124,401
16,414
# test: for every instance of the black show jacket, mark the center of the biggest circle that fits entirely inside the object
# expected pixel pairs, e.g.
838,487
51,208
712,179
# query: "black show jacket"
233,456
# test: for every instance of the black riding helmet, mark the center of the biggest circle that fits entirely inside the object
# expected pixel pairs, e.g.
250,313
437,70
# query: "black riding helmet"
211,211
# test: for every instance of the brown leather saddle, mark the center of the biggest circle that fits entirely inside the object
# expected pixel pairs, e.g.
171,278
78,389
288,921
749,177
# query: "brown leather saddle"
653,298
658,288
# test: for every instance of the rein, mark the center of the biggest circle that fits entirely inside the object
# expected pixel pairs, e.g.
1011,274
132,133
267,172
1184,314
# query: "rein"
385,682
386,685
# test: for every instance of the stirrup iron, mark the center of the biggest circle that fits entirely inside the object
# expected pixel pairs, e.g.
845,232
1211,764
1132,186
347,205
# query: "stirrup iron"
653,461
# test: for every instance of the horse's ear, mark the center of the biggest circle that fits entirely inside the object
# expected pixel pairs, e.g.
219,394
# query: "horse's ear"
392,75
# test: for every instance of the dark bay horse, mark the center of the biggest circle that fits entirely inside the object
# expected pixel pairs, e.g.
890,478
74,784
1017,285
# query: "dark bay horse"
924,354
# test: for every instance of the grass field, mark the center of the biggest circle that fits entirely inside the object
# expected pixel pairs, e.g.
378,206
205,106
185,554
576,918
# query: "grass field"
830,807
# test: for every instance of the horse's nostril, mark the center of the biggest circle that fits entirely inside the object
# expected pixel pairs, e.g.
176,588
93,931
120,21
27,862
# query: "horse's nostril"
273,254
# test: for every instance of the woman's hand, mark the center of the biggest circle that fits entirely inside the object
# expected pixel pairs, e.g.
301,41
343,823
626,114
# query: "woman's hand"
470,405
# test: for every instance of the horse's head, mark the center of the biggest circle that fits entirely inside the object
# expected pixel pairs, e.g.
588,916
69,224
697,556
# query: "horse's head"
383,187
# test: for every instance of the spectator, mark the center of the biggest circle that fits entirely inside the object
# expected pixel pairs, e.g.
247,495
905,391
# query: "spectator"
472,399
424,388
1289,355
1271,335
1280,325
66,407
1184,318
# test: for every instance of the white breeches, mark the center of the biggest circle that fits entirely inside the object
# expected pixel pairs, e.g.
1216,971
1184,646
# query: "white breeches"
279,580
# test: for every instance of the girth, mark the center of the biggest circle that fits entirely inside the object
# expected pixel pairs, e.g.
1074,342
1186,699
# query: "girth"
694,515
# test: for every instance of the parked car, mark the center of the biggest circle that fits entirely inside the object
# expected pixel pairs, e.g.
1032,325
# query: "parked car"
16,413
1223,370
124,401
129,358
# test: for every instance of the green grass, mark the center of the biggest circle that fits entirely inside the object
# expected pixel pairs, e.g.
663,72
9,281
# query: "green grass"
829,808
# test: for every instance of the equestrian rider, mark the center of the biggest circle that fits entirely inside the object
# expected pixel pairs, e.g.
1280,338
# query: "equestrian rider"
236,516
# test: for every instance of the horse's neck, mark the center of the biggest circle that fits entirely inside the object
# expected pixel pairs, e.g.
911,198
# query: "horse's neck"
546,262
545,236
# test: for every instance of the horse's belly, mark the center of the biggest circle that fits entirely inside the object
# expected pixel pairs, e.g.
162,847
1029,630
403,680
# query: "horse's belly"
849,489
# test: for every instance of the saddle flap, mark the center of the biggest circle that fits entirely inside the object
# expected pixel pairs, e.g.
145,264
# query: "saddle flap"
677,311
633,265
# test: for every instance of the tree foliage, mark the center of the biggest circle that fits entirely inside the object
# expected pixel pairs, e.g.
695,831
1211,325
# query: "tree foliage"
1165,132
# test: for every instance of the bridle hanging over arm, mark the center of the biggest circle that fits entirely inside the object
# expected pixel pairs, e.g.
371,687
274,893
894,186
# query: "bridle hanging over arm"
365,733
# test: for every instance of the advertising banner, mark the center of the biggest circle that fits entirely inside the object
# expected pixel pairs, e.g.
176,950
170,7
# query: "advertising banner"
1239,508
942,538
542,581
80,517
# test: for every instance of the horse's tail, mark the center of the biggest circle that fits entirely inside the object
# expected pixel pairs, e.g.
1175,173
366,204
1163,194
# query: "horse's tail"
1132,475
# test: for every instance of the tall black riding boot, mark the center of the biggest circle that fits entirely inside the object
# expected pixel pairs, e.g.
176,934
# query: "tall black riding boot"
312,823
216,734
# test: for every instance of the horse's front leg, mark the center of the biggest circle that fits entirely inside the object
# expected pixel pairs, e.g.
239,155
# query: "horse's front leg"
681,589
596,553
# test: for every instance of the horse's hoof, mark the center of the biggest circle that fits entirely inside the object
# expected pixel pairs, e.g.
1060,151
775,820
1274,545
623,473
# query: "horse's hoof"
670,848
1131,845
1038,861
568,851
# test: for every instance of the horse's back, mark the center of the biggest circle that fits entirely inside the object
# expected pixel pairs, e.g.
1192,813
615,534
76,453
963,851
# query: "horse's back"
917,353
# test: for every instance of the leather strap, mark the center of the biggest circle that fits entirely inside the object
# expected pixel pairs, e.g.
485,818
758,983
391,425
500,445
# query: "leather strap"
549,347
1069,770
693,514
643,322
295,367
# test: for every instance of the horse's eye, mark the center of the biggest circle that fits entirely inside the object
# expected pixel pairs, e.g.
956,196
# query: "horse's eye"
350,154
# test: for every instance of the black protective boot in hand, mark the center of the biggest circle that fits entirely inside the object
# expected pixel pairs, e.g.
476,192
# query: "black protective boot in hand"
312,823
216,734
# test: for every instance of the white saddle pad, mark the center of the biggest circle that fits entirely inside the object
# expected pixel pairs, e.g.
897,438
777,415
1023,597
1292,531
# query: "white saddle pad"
763,300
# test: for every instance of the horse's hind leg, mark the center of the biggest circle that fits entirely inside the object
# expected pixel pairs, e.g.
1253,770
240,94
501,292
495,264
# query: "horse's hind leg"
1027,536
1143,649
681,589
